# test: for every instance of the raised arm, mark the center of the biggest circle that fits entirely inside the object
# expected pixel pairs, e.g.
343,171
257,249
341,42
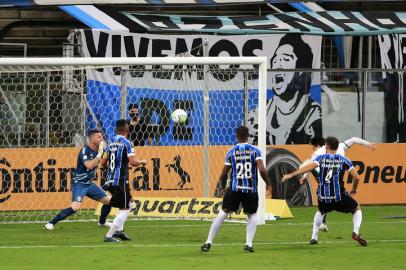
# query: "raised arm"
307,168
134,162
355,140
93,163
103,161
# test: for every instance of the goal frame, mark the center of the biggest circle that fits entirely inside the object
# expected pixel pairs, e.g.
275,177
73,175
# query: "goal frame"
121,61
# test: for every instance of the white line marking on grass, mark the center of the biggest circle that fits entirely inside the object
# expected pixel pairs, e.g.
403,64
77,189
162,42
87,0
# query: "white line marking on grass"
268,224
236,224
117,245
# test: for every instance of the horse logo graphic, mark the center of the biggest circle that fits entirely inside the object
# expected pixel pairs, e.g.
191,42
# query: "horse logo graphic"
184,175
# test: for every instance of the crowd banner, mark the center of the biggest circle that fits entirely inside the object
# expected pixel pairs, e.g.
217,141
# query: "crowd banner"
338,23
393,56
291,117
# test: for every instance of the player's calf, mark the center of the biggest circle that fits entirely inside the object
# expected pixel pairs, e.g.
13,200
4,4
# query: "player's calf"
61,216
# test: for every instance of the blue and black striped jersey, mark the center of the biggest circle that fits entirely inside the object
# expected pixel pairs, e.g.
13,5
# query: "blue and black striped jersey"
118,152
332,169
244,174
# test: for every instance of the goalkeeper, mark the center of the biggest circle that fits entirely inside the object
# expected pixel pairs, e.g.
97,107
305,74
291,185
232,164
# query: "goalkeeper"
81,184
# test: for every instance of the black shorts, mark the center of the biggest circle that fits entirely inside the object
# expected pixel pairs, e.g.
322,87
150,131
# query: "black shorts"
120,195
346,205
233,199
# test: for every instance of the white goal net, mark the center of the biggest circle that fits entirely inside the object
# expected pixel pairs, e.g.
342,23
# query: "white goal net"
49,105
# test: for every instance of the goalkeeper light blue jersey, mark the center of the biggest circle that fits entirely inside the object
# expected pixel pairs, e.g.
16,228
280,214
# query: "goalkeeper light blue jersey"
118,152
244,174
82,174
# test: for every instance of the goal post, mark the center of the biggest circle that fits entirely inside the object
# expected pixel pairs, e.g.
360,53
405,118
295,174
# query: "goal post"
84,93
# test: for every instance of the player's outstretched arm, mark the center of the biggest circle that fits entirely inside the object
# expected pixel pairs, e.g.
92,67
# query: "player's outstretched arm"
265,177
355,140
135,163
307,168
223,179
355,181
91,164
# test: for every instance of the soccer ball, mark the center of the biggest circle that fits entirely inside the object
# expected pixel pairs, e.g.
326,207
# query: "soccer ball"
179,116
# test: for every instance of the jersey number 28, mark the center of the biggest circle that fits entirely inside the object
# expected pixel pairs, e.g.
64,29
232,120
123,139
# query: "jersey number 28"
244,170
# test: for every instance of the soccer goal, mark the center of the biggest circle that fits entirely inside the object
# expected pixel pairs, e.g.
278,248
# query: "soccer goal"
49,104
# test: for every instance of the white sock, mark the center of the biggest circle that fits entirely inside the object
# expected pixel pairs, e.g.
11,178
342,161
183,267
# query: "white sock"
112,230
215,226
251,228
118,223
357,219
318,219
123,218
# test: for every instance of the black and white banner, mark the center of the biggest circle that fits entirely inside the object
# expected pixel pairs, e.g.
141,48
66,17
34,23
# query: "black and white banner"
311,22
393,56
293,107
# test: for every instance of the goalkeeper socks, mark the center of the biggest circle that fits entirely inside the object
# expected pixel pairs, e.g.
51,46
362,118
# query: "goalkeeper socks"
251,228
215,226
318,219
118,222
357,219
105,211
62,215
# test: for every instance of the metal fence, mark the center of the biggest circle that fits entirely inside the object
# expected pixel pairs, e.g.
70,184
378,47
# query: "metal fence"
42,109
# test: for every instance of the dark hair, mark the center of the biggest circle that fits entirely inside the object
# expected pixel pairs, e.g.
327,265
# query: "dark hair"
94,131
317,141
242,133
332,143
121,125
301,49
301,81
132,105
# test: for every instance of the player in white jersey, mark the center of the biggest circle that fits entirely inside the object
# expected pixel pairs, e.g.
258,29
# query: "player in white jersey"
319,148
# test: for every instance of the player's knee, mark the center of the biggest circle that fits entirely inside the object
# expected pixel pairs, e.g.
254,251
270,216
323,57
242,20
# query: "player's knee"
105,200
75,206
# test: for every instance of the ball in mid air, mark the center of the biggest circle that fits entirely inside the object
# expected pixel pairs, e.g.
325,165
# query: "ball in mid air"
179,116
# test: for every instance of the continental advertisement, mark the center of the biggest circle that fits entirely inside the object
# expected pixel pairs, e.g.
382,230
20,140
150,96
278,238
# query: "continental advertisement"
36,179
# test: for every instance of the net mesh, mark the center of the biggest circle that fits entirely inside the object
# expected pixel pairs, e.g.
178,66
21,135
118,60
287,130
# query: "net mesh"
46,112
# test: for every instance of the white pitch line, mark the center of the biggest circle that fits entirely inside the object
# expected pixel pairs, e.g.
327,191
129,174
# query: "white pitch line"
237,224
268,224
116,245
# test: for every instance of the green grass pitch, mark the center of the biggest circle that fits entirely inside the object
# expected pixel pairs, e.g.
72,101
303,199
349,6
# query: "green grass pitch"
167,245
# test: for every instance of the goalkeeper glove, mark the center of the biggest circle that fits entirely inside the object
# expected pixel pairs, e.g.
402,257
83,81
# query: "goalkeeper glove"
101,149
